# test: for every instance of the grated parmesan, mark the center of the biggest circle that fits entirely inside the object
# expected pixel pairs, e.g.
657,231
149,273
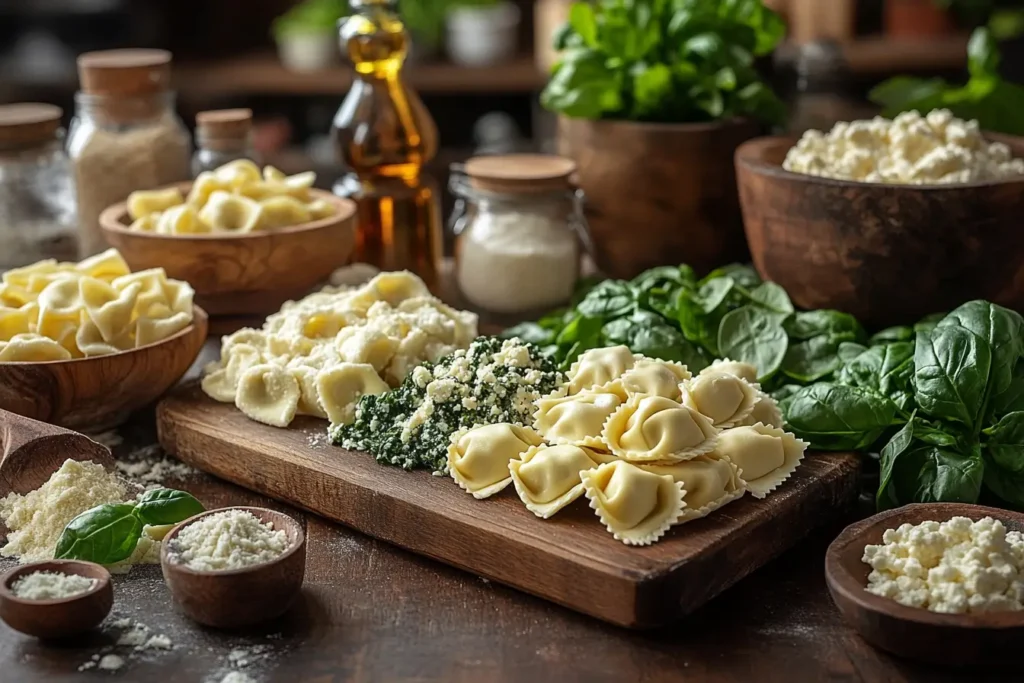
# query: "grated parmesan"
45,585
233,539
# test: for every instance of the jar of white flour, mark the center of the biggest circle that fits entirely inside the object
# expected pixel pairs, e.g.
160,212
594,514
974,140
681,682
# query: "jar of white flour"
519,232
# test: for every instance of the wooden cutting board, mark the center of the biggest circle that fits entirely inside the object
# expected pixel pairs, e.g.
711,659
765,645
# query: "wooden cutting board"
570,559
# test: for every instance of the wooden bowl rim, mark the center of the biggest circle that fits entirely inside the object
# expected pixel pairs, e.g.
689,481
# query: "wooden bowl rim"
841,579
111,221
750,155
665,127
90,570
300,541
198,314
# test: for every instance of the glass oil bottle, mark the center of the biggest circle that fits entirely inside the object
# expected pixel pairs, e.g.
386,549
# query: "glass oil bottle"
384,135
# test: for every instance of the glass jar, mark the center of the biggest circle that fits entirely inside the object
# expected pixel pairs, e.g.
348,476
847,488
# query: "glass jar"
37,197
519,233
125,135
221,137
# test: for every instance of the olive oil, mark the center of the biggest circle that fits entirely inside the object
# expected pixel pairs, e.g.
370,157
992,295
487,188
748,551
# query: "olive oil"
384,135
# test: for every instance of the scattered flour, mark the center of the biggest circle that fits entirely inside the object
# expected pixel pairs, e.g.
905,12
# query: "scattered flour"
110,663
51,586
151,468
237,677
227,540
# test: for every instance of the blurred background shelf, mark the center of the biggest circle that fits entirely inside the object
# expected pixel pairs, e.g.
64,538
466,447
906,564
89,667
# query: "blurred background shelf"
883,56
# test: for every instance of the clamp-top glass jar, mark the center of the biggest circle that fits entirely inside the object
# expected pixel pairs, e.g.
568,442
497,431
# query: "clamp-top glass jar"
519,232
37,197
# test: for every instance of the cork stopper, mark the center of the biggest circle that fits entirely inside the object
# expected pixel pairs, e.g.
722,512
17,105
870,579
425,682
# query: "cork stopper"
520,173
233,124
28,123
124,72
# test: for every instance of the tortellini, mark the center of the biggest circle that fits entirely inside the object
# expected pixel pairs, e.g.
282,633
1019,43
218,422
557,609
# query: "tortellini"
235,198
269,394
710,482
318,338
478,458
547,478
636,506
577,420
652,429
598,367
765,456
766,411
653,378
723,398
93,308
731,367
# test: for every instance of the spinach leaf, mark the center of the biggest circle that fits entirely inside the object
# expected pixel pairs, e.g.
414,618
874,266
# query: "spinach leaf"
951,374
898,444
583,85
1005,484
744,276
811,360
809,324
609,299
752,335
1000,328
104,534
531,333
887,369
1011,399
850,350
928,323
930,474
891,335
1005,443
837,417
772,297
167,506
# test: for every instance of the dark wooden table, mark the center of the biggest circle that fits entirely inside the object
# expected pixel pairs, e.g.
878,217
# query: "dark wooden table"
371,612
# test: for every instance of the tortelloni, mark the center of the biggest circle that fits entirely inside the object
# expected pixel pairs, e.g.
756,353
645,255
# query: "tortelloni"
710,482
340,387
234,198
93,308
766,411
653,378
731,367
478,458
723,398
635,505
598,367
765,456
269,394
576,420
653,429
547,478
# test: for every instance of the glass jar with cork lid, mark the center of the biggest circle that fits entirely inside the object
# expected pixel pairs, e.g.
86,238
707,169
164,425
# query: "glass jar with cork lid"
222,136
125,135
519,232
37,197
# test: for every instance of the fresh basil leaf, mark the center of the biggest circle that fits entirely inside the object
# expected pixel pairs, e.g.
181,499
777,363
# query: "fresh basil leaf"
752,335
892,334
105,534
897,445
811,360
951,374
531,333
837,417
652,86
167,506
583,86
610,299
583,21
772,297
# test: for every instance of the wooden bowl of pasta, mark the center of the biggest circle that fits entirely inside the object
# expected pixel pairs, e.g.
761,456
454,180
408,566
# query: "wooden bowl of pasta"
242,273
100,392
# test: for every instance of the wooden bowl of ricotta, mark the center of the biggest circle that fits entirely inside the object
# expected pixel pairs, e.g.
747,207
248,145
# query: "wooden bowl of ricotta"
991,639
888,254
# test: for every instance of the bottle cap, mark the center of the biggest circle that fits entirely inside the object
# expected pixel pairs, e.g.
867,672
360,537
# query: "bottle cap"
28,123
125,72
520,173
224,123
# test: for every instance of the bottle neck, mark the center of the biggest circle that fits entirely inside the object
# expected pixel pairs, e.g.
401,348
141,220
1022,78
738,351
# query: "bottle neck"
113,110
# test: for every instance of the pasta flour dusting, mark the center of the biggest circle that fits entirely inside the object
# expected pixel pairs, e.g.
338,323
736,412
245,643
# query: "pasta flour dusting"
37,519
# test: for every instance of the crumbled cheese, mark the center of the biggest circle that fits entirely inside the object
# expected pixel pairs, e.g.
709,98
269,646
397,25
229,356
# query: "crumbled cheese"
910,149
227,540
110,663
955,567
45,585
237,677
37,519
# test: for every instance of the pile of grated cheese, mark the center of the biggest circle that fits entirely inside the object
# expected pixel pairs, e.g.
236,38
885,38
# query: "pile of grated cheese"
45,585
233,539
37,519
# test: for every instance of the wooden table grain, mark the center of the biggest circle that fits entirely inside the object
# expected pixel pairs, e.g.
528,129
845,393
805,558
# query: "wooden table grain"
370,612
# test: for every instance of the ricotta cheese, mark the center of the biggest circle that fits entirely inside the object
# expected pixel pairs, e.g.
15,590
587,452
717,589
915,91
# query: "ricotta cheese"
959,566
908,150
233,539
45,585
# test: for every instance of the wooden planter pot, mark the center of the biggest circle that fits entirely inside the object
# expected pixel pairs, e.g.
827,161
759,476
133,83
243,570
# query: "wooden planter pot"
659,194
916,19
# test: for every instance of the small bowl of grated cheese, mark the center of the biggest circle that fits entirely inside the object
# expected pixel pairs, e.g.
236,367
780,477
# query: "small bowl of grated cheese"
56,598
888,220
235,567
936,582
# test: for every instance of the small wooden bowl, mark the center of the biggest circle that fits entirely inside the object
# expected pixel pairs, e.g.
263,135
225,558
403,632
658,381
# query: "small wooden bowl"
245,274
948,639
888,254
241,597
57,618
98,393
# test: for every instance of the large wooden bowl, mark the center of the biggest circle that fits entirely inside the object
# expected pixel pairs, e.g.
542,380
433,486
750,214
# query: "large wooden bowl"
659,193
95,394
888,254
245,274
988,639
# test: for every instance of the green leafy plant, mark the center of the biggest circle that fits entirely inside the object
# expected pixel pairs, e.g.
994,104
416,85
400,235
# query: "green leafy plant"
665,61
109,533
310,16
996,104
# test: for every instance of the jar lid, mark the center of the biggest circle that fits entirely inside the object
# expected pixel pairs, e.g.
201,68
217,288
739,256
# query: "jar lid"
28,123
520,173
224,123
124,72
